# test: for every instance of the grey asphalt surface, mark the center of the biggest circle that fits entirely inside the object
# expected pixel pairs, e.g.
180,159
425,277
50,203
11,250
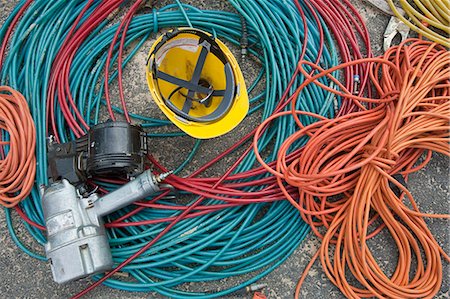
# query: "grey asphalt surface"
24,277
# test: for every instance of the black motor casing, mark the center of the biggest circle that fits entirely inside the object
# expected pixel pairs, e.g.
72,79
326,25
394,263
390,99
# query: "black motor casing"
116,148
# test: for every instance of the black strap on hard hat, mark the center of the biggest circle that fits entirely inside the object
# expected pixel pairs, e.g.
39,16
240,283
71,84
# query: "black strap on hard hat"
209,45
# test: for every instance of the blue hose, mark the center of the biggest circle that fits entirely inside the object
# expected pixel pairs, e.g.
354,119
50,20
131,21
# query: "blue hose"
252,239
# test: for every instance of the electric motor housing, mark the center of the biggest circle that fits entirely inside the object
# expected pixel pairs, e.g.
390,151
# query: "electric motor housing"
117,148
109,149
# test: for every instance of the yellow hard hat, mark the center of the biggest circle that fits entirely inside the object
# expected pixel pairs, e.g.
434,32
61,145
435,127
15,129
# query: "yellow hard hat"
196,81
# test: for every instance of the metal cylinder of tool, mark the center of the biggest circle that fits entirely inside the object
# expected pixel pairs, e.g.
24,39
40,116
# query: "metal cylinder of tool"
137,189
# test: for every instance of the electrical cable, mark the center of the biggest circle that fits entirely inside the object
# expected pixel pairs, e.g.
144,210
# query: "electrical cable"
66,46
254,236
430,19
346,170
18,163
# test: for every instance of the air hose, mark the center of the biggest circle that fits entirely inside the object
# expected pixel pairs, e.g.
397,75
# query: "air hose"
348,172
431,19
239,223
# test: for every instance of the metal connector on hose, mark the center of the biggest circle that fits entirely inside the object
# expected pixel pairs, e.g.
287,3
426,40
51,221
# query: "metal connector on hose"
77,243
142,186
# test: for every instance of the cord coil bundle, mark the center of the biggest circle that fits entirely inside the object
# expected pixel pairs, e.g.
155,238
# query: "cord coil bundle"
428,18
227,227
18,164
356,156
224,217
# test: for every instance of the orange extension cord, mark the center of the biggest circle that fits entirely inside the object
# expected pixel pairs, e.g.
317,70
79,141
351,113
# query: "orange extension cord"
18,167
345,172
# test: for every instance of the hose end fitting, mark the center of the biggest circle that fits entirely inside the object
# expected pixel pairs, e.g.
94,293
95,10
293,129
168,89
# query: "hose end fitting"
161,177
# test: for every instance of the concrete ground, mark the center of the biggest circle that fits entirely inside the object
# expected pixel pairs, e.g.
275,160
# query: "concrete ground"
24,277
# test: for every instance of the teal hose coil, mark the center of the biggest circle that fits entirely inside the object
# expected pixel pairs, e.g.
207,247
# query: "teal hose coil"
248,241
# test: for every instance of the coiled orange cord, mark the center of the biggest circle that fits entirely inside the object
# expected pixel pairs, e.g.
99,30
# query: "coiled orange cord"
345,171
18,167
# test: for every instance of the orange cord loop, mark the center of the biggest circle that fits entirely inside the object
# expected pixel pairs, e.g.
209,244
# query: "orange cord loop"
18,167
344,172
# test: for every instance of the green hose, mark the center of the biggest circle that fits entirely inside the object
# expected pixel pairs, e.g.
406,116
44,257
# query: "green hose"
236,241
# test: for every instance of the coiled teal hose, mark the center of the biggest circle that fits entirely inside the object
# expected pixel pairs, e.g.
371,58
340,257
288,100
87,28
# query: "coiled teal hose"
232,242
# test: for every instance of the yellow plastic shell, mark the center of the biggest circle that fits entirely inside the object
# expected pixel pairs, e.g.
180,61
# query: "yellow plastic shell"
178,57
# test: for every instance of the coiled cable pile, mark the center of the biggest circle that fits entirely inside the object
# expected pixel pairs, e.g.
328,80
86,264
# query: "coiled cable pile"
231,225
238,223
18,162
429,18
346,173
